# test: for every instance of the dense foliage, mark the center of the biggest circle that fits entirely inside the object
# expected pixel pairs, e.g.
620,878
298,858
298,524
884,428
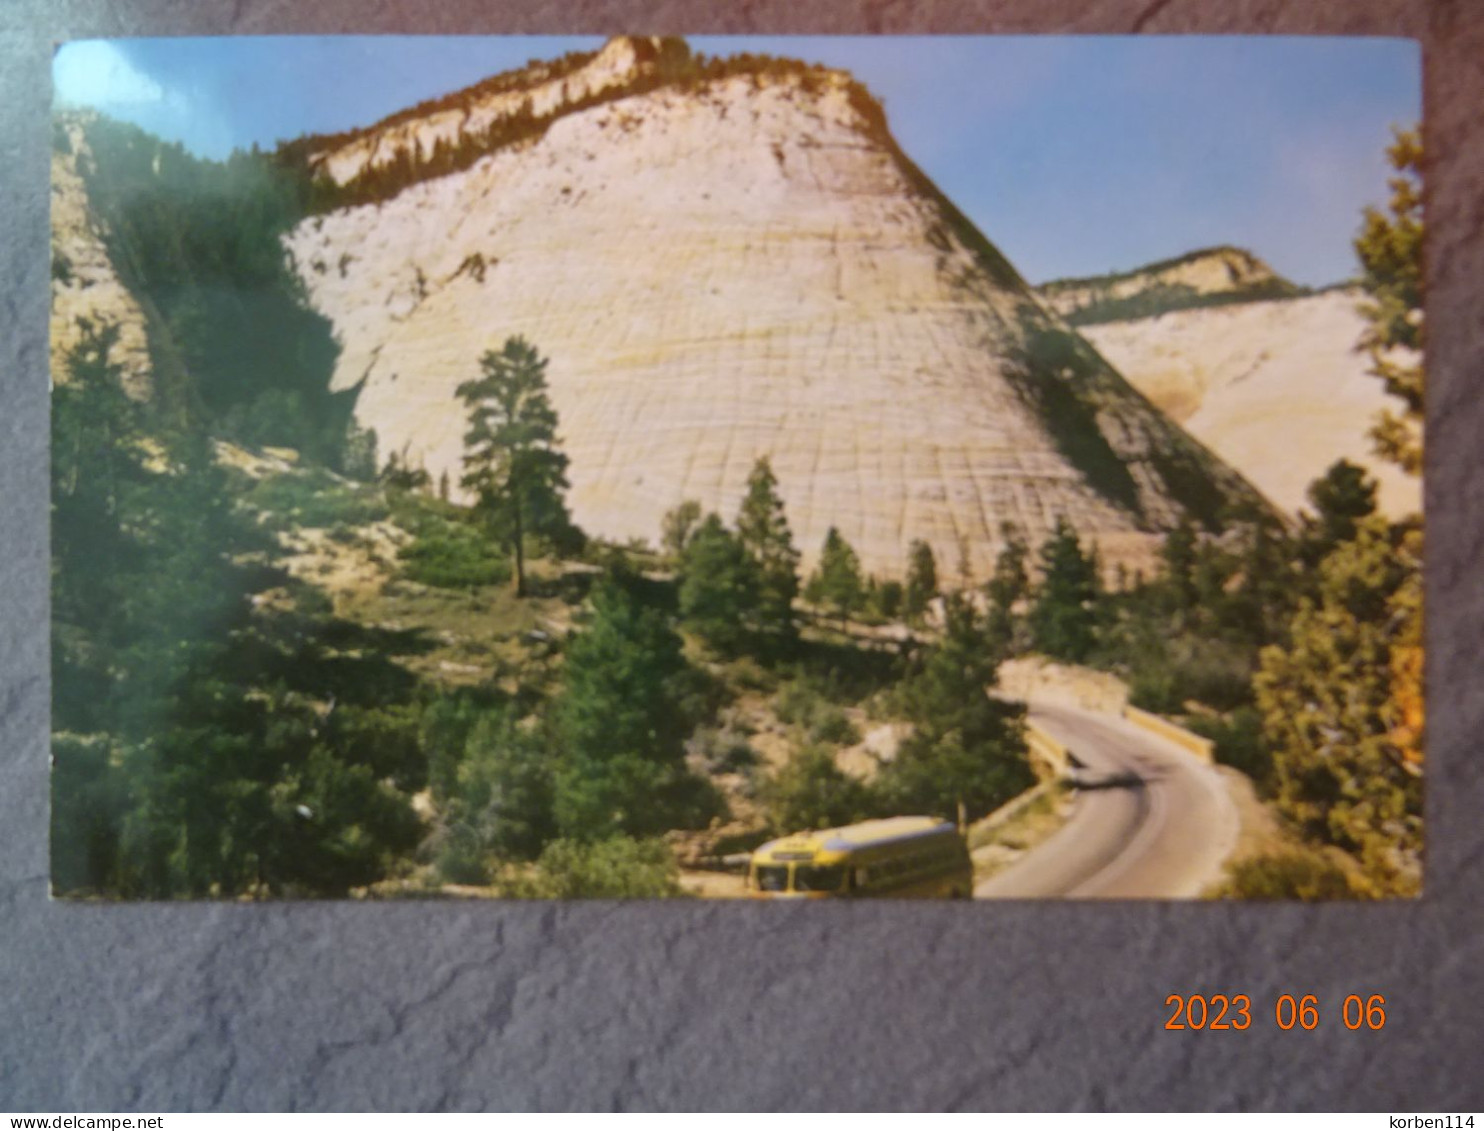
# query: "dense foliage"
203,748
234,346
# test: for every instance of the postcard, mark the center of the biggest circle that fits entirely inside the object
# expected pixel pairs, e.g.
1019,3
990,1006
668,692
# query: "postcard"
769,468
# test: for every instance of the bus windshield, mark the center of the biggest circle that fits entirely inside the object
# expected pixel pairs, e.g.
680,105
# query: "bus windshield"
772,877
816,877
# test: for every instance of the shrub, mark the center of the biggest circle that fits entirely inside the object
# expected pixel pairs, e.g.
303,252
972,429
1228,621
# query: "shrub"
725,752
313,499
1239,743
830,724
1296,873
748,675
617,868
811,792
460,860
453,557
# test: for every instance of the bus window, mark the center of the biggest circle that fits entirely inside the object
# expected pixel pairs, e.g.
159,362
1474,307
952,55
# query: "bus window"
772,877
810,877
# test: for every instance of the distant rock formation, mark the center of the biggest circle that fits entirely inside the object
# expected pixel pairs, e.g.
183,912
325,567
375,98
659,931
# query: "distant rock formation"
730,264
1211,276
1278,389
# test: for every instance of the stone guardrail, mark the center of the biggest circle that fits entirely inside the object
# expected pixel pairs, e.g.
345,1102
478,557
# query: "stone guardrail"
1046,750
1202,748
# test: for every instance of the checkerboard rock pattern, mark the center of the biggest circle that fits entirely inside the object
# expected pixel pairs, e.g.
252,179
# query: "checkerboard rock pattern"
741,269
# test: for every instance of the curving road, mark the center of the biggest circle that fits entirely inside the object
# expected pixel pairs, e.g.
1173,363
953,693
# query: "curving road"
1150,820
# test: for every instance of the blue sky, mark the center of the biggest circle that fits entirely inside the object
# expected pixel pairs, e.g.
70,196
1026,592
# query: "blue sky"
1075,155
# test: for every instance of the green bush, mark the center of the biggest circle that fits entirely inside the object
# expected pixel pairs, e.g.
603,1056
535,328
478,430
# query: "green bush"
811,792
725,752
748,675
796,703
830,724
618,868
1297,873
313,499
453,557
461,860
1239,742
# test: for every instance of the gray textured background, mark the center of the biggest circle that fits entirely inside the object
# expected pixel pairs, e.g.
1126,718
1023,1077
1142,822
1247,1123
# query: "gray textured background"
420,1006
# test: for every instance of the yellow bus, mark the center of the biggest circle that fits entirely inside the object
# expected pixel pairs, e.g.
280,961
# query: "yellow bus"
897,857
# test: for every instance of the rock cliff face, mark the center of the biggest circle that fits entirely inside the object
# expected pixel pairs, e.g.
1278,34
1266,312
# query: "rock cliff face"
1279,390
86,290
743,268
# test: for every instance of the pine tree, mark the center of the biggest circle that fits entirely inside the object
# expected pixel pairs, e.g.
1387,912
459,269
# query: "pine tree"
811,792
678,525
922,580
1342,703
1390,252
719,586
965,747
1343,496
1007,586
837,582
1346,770
1064,619
762,528
622,725
511,459
1179,554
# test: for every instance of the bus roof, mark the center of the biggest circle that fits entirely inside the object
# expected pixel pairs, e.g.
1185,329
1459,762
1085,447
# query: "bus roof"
864,835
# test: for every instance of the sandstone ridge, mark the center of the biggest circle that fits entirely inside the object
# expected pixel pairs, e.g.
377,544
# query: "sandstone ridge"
538,89
1208,277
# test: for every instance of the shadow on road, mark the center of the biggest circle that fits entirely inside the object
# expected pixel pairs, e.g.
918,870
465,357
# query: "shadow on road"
1089,782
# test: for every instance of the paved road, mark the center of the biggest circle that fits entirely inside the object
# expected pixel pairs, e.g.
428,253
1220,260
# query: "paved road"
1153,822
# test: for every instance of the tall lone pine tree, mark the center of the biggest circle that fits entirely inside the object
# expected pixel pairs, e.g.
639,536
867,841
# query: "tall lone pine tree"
511,460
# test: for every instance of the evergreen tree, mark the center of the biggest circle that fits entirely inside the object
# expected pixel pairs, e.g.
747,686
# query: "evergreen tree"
1343,496
1390,252
678,525
1064,618
837,582
811,792
887,599
502,795
1007,587
97,470
511,459
965,746
1342,703
358,453
720,586
922,580
1346,769
762,528
1179,554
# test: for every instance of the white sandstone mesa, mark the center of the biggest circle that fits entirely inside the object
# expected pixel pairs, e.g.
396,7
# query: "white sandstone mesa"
746,267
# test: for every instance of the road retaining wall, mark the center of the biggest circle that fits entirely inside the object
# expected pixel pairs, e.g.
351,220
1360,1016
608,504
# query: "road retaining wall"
1202,748
1048,756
